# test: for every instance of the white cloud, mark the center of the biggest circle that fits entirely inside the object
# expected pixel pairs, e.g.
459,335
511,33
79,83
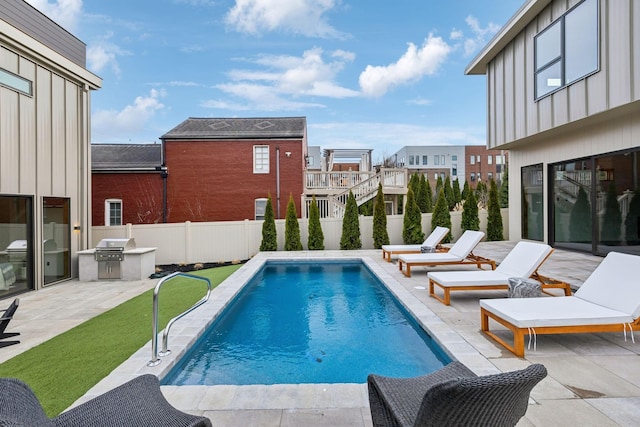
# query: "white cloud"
103,54
420,101
304,17
480,36
283,79
65,13
129,121
414,64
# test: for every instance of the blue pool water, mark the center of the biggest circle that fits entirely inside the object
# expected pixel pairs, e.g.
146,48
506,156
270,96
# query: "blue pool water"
309,322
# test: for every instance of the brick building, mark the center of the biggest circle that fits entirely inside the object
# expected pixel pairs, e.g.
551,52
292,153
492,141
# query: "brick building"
481,164
127,184
223,169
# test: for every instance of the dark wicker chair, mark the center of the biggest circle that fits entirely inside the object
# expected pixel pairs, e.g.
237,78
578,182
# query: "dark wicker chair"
138,402
452,396
7,315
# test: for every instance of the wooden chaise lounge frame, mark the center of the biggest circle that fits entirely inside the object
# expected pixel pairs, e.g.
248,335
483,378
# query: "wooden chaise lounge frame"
469,259
436,236
611,293
546,283
519,333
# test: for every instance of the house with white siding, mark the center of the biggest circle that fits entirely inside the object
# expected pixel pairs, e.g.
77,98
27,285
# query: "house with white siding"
563,97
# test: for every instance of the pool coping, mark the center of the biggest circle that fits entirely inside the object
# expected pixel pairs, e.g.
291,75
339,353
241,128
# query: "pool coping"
187,330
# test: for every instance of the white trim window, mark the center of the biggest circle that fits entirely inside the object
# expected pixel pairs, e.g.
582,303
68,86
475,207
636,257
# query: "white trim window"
260,208
260,159
567,50
112,212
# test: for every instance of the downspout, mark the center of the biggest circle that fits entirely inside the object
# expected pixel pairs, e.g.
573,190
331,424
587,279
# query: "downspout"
164,174
278,180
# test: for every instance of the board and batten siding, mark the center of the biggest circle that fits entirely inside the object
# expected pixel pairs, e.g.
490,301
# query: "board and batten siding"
514,114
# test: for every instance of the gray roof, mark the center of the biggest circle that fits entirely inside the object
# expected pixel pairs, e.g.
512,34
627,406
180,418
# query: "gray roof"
239,128
110,157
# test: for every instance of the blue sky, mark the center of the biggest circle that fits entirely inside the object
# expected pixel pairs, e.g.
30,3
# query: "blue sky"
366,74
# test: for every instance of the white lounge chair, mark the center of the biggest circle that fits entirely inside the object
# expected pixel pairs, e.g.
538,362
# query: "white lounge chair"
522,261
459,254
608,301
433,240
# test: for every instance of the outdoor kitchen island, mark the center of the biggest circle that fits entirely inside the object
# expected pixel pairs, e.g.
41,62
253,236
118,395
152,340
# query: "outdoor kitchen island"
118,259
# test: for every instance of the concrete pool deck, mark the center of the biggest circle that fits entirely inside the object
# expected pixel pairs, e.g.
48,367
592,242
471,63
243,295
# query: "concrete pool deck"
594,379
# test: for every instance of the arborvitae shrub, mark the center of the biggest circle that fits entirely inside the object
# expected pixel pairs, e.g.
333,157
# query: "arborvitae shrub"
457,197
504,190
441,215
350,238
292,228
494,218
380,233
448,193
421,195
465,190
412,223
269,235
439,186
429,193
316,236
470,219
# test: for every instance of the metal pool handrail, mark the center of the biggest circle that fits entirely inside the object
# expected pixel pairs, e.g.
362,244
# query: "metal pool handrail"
165,336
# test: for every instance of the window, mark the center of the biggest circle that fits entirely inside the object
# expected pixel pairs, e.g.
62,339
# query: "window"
113,212
473,176
411,160
310,161
489,160
532,202
442,160
478,175
435,176
454,169
56,229
489,176
567,50
15,82
424,160
454,158
261,206
260,159
436,160
472,160
478,158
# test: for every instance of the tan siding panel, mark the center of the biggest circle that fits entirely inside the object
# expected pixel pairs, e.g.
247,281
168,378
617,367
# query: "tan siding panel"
521,95
10,148
619,53
509,94
43,131
532,124
58,137
635,50
578,100
74,169
8,60
492,117
27,132
560,108
499,88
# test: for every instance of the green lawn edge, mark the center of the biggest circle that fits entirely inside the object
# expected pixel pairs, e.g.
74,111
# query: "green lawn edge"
64,368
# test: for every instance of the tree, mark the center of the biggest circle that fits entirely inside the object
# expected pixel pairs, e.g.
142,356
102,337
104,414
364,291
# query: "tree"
292,228
439,186
429,197
448,193
465,190
494,217
269,234
441,215
580,219
380,233
350,238
422,196
414,183
457,197
632,231
470,219
412,223
612,220
316,237
504,190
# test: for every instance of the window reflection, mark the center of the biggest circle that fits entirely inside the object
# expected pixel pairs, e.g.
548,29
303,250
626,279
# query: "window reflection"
16,253
56,232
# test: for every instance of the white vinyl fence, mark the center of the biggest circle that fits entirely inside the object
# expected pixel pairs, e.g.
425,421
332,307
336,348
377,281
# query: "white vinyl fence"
192,242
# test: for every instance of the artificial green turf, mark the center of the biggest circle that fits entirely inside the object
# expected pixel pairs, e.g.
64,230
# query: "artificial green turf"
64,368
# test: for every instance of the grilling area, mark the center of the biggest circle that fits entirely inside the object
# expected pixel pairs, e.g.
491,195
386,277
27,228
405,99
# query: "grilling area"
116,259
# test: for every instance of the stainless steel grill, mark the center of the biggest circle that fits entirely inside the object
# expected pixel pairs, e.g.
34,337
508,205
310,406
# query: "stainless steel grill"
113,249
109,254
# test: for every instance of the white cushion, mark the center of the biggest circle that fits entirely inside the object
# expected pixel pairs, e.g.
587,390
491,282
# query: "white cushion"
524,259
435,257
466,278
466,243
615,284
553,311
435,237
393,248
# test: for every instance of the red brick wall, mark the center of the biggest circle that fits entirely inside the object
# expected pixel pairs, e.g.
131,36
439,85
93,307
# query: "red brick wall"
141,195
483,167
214,180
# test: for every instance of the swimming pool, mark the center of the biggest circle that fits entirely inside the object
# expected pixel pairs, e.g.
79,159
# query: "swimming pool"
309,322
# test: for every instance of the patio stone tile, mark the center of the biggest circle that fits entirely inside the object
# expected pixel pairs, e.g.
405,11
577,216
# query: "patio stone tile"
573,412
322,417
623,410
246,418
